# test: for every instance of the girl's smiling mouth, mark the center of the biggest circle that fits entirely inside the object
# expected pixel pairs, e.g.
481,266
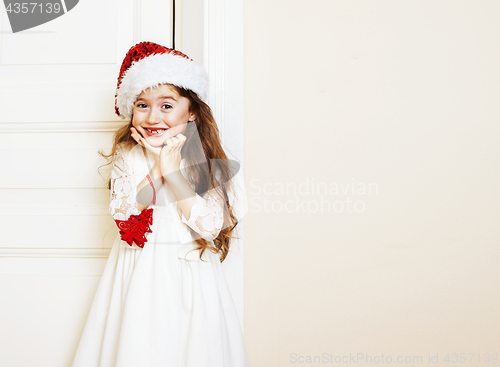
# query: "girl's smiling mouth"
155,131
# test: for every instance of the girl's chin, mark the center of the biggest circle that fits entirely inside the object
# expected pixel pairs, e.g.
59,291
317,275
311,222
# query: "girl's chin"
155,143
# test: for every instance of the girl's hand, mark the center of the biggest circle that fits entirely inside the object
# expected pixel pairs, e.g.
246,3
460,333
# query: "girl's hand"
170,156
142,141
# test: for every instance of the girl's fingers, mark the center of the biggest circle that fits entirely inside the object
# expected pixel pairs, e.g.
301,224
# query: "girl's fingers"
166,148
177,145
182,140
137,139
173,144
170,142
177,139
135,135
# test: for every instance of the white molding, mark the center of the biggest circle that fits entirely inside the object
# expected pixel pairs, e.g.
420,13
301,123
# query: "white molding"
127,13
62,211
223,60
137,25
61,127
42,86
214,45
54,253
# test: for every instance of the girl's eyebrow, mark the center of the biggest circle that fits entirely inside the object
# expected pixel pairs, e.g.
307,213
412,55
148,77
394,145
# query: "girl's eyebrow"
160,97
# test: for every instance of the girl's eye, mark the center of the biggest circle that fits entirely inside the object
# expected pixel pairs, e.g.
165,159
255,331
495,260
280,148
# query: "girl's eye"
143,105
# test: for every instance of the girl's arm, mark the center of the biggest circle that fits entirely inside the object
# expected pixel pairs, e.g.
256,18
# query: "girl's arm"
183,192
132,222
145,193
123,201
205,215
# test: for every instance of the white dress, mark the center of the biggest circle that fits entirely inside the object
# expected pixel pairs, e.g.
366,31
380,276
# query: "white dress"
160,306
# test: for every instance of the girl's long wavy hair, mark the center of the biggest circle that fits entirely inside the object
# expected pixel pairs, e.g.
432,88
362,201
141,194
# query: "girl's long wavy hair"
201,162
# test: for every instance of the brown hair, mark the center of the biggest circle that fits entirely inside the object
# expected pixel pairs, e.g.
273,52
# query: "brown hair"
201,161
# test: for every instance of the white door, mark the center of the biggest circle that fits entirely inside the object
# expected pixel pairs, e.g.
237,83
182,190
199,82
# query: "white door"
57,86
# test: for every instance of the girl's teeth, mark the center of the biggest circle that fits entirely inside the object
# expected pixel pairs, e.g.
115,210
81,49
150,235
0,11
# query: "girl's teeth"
156,131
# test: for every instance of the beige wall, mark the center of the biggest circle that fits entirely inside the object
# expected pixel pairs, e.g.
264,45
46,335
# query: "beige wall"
403,95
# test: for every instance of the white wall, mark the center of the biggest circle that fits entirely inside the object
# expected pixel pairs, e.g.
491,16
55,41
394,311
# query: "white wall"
400,94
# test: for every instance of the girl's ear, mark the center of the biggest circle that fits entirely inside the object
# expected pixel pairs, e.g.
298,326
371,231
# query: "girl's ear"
192,117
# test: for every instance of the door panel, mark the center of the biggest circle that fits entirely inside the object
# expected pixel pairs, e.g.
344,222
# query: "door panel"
57,88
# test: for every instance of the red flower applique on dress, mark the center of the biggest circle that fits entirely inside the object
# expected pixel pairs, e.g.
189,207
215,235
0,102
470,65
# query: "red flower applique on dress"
135,228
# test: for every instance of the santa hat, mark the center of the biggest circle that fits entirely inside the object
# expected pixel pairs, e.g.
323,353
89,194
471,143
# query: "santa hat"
148,64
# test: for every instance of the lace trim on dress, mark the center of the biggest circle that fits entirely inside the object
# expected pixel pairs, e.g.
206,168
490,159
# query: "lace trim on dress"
123,201
133,224
206,217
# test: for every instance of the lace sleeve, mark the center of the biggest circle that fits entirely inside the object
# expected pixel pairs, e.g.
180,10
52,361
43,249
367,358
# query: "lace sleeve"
207,216
132,223
123,201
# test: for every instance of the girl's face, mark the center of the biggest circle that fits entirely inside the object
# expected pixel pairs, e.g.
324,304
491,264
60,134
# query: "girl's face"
161,113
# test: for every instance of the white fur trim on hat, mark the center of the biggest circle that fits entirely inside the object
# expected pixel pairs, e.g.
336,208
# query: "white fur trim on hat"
160,69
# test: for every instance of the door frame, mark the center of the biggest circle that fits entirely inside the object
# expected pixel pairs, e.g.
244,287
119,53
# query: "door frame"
223,60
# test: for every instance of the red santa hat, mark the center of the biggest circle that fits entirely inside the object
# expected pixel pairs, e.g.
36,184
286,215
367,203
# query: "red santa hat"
148,64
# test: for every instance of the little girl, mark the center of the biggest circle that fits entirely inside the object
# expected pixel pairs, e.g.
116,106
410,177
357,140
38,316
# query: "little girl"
162,300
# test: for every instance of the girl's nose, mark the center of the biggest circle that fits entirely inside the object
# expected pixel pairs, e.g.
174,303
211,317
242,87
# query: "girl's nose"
153,117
